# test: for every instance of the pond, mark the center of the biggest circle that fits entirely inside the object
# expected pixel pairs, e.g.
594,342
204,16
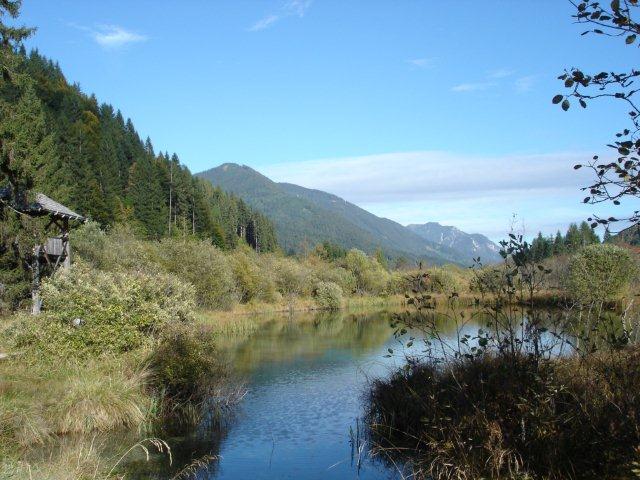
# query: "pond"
306,376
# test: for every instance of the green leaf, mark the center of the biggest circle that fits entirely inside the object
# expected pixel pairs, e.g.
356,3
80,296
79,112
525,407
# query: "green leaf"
630,39
557,99
565,105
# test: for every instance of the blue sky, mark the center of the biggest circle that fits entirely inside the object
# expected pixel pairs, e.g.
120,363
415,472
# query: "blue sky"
416,110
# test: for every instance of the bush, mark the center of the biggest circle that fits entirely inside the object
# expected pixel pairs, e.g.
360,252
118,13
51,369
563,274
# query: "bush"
488,280
292,277
493,417
328,295
115,312
252,282
369,275
443,281
186,366
600,272
205,267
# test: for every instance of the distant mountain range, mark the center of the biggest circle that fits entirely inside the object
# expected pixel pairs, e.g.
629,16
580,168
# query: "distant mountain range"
304,217
464,244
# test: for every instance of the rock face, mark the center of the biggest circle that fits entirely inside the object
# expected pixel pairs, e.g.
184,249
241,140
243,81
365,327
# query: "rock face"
466,245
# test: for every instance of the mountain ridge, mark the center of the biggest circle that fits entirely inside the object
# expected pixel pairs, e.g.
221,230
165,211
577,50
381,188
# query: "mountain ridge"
305,217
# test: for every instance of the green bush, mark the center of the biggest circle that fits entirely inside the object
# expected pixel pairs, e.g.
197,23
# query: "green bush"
205,267
443,281
600,272
252,282
328,295
116,312
488,280
186,366
292,277
370,276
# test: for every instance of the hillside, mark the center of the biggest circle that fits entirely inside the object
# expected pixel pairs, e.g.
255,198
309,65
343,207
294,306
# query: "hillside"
465,245
304,217
89,157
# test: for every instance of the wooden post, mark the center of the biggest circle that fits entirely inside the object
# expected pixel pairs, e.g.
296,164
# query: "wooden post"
36,302
66,245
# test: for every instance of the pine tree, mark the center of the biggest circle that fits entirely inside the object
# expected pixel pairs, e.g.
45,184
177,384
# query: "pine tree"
588,235
573,238
559,247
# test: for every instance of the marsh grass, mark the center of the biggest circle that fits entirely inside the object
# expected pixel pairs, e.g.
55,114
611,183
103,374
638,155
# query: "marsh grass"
39,401
526,396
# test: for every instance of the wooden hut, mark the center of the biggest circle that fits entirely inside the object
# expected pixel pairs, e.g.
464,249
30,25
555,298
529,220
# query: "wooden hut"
56,250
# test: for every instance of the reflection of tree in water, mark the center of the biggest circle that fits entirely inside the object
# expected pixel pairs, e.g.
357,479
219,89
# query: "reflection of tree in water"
310,336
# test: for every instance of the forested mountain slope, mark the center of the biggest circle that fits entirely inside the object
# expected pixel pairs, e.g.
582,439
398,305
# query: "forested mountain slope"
88,157
304,217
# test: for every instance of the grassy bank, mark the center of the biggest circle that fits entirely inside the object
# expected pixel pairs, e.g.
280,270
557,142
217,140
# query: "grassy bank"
111,350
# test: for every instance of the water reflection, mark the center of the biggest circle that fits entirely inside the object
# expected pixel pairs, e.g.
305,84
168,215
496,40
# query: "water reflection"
306,376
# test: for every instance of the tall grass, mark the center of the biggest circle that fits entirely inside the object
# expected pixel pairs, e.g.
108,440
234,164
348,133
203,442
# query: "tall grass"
524,396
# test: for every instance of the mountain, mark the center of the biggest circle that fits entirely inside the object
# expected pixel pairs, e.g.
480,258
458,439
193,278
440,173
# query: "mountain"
628,236
304,217
465,245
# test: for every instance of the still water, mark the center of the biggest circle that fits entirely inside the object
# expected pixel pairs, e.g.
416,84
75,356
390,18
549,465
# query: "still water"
306,377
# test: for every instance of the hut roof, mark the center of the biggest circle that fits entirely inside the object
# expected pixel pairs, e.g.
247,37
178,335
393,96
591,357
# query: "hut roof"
44,203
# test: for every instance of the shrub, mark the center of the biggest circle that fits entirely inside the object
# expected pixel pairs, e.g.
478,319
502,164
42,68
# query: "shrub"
488,280
369,275
499,417
116,311
443,281
600,272
252,282
186,366
205,267
328,295
292,277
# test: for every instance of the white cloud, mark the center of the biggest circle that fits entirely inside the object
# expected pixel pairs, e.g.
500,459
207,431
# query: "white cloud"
475,193
524,84
421,62
473,87
290,8
113,36
500,73
263,23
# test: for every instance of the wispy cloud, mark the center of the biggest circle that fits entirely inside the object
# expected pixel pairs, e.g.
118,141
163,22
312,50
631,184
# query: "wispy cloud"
263,23
473,87
524,84
290,8
111,36
500,73
496,78
476,193
421,62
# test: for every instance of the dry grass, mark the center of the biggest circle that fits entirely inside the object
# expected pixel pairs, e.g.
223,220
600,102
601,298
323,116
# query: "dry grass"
498,417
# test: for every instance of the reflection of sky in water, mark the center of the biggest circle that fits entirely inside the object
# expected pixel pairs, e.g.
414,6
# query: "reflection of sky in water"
294,422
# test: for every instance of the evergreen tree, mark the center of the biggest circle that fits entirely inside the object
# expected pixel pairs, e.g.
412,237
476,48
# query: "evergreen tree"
589,236
573,238
559,245
146,197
